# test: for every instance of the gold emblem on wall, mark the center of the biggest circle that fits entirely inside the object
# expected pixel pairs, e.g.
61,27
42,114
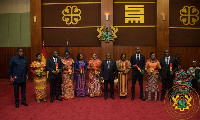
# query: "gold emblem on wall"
189,15
107,33
71,15
134,13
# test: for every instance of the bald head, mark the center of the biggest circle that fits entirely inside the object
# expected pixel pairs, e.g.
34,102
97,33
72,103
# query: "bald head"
137,50
166,53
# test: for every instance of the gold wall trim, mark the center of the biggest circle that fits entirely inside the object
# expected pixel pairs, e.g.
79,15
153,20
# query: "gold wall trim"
71,3
70,27
152,26
189,28
137,2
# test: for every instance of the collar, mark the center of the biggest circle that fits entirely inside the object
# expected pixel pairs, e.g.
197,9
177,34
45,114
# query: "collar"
167,57
22,57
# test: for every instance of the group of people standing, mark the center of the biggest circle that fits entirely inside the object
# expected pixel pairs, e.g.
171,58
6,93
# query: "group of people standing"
63,71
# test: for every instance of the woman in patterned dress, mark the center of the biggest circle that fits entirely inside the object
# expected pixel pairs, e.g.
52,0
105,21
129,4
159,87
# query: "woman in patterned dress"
40,79
67,76
152,66
94,86
80,71
123,67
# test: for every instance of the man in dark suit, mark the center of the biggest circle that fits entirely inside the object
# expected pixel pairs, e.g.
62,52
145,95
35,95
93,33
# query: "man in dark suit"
54,75
139,60
166,76
18,72
108,74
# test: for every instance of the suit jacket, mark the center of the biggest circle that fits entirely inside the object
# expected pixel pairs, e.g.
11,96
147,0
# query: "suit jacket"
107,73
165,70
140,64
50,66
197,72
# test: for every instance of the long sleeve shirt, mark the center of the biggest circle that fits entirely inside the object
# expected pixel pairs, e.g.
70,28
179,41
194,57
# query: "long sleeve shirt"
18,67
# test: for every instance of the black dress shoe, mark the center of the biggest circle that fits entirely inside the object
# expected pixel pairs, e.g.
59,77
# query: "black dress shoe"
105,97
17,105
24,103
143,99
120,97
51,101
162,98
112,97
59,99
124,97
132,98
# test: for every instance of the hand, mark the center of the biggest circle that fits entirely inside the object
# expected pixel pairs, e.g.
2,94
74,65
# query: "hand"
38,74
27,77
11,79
125,72
54,72
58,71
148,73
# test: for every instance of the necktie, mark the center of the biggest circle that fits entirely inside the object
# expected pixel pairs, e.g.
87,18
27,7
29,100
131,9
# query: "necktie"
108,62
138,59
55,60
167,61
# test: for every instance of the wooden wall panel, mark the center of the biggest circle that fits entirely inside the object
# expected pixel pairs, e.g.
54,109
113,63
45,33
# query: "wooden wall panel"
187,55
36,28
6,53
107,8
162,27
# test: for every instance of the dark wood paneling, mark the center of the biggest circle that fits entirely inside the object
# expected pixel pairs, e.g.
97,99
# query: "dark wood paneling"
90,15
187,36
184,37
75,36
107,8
174,12
6,54
36,28
134,0
162,27
187,55
149,14
131,36
64,1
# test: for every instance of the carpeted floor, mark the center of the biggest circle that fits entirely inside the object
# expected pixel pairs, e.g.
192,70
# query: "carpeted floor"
81,108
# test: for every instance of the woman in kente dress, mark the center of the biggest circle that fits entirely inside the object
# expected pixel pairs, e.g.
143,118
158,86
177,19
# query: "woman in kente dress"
94,86
67,76
152,66
80,71
40,79
123,67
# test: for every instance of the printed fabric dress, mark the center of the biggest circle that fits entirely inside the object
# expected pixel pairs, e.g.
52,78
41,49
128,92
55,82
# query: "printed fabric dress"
94,85
182,82
122,77
67,79
39,81
80,90
152,90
